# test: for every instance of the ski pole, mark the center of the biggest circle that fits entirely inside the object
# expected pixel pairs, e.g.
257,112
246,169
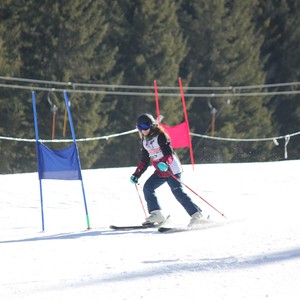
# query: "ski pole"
137,190
196,194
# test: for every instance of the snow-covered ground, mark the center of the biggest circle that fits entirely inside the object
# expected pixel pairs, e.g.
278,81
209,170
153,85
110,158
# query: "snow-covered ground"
254,253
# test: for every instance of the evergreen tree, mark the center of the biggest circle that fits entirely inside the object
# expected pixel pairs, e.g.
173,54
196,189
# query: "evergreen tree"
288,109
228,55
151,48
70,45
279,22
14,104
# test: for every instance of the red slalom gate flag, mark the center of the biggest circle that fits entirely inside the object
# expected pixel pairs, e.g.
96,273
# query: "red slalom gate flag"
179,135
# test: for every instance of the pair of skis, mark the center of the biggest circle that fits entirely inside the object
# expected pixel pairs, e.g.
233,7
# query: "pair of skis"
159,228
163,228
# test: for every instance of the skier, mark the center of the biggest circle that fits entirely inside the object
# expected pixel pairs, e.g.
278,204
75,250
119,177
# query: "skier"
156,148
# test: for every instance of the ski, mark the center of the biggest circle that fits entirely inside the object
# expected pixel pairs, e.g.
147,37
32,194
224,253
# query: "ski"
173,229
137,227
133,227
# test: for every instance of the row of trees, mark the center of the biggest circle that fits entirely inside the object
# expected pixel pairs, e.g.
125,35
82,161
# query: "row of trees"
213,43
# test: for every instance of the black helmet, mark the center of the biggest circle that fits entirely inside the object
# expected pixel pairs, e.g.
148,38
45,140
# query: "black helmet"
145,121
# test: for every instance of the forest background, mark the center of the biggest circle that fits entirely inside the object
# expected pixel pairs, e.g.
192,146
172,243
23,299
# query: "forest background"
252,45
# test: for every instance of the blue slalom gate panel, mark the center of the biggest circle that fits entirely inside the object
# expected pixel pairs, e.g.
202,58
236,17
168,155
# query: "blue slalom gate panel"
58,164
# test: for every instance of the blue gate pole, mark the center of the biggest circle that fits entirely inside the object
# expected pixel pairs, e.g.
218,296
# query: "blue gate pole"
77,153
37,155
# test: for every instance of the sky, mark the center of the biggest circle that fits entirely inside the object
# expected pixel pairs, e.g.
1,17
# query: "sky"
251,253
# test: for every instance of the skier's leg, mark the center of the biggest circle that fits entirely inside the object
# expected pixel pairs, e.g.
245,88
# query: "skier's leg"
181,196
152,183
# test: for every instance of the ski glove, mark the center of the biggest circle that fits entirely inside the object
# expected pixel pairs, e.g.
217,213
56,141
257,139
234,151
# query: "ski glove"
162,166
134,179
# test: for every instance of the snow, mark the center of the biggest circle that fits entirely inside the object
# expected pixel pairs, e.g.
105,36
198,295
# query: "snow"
253,253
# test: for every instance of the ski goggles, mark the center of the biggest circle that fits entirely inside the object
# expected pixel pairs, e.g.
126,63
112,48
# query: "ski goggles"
143,126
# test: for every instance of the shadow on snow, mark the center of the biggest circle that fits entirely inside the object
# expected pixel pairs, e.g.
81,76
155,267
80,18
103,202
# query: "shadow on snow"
167,267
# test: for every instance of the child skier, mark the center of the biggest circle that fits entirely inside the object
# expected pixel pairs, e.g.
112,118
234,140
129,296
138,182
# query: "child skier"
156,148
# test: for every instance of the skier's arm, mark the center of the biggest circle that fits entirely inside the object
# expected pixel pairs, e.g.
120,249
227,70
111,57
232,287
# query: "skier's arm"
166,149
144,163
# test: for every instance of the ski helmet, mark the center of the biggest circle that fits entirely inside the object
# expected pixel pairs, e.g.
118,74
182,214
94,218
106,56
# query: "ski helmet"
145,121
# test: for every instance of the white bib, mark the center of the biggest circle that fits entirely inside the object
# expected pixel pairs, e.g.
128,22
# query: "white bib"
156,154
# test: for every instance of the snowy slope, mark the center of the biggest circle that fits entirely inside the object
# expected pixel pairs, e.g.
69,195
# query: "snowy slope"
253,254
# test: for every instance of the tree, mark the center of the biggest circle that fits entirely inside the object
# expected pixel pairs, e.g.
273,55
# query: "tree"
228,55
279,22
290,66
15,156
70,45
151,48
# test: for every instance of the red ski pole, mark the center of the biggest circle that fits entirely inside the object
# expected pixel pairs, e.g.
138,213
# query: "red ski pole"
137,190
196,194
